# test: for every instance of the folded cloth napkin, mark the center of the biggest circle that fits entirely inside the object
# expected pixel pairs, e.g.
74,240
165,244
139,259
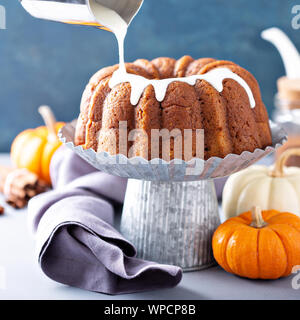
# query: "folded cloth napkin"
76,241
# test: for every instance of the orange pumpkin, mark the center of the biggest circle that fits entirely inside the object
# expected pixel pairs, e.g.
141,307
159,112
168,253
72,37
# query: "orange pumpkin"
33,148
259,245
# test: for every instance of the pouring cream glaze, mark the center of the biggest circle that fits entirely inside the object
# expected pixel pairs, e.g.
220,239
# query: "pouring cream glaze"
112,20
118,26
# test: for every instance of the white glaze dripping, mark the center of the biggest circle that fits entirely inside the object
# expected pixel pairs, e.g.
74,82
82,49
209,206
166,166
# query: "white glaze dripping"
118,26
214,77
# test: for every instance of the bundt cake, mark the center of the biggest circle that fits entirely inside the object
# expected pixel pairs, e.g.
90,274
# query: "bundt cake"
230,124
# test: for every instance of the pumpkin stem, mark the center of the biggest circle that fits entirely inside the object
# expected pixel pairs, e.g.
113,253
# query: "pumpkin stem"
49,119
278,170
257,219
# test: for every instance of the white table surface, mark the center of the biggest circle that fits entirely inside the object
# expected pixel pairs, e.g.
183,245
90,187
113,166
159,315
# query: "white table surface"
21,277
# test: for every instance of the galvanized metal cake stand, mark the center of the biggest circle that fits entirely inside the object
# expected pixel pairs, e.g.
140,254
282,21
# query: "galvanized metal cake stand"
171,222
171,209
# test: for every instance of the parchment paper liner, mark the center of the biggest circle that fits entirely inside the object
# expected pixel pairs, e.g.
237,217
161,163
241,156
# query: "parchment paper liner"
160,170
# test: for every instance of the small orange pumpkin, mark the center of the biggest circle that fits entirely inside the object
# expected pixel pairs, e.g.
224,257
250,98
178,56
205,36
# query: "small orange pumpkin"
33,148
259,245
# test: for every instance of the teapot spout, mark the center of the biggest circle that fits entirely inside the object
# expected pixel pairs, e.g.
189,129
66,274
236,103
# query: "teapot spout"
289,54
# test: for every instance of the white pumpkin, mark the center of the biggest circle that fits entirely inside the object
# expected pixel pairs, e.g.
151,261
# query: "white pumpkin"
269,188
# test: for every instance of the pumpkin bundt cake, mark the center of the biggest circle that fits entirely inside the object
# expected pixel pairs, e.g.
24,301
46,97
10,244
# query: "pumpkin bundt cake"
230,124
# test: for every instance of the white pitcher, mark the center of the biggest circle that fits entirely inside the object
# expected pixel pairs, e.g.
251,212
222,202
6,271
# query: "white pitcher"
81,11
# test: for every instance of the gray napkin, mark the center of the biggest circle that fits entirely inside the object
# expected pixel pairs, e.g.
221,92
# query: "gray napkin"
76,241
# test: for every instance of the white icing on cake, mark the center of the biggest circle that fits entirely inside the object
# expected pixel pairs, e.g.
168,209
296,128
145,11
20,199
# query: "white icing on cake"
215,78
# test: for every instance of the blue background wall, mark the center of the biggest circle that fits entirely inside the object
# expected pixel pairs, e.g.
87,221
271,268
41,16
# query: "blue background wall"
43,62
